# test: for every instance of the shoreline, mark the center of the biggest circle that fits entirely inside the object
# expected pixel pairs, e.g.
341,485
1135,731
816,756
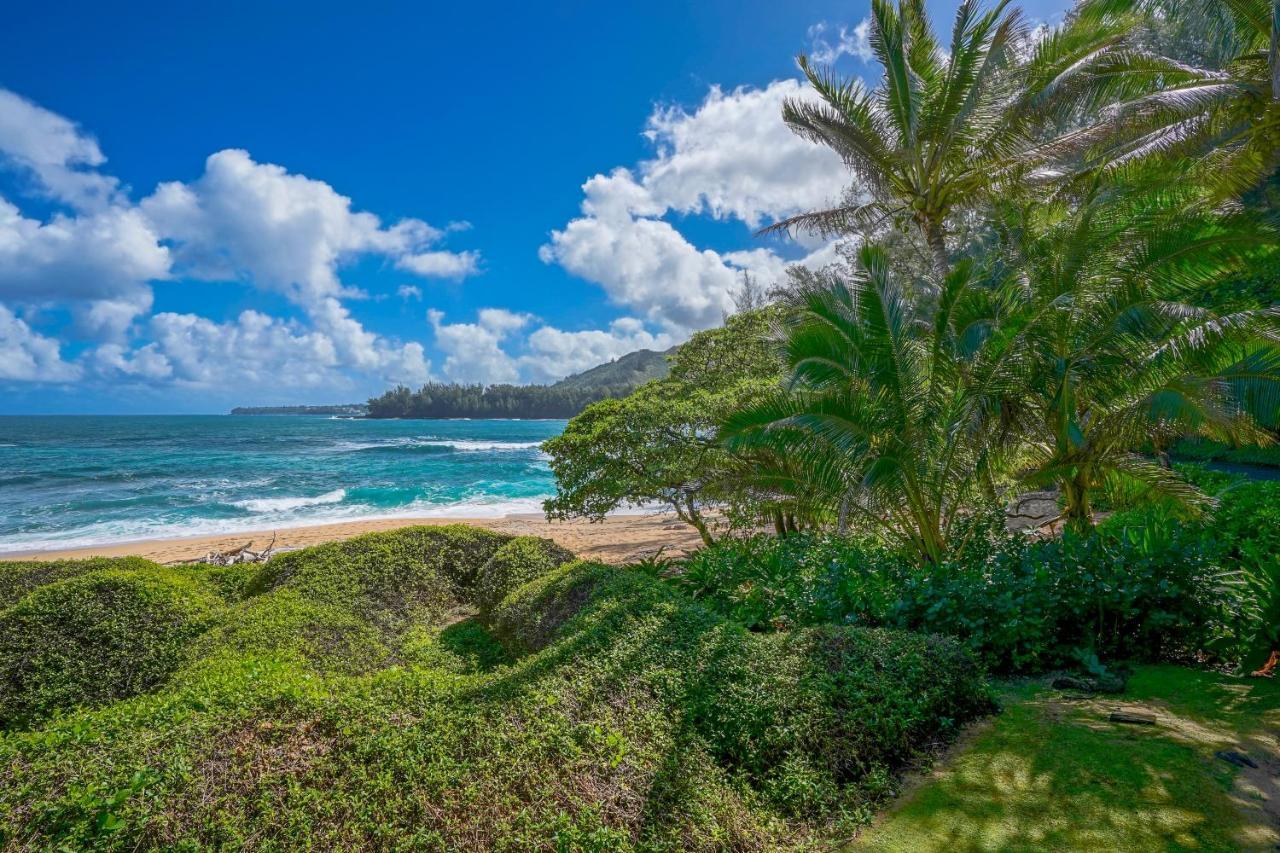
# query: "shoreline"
618,538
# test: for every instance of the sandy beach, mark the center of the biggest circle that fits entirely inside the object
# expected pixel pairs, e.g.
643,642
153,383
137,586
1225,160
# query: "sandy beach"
616,539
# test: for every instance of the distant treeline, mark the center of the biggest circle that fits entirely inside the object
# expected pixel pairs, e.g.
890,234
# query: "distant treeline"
352,409
436,400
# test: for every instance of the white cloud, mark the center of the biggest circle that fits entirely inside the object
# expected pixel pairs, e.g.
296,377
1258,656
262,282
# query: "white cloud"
409,291
28,356
733,157
286,232
648,266
554,354
473,351
62,159
848,42
97,255
256,351
488,351
242,220
438,264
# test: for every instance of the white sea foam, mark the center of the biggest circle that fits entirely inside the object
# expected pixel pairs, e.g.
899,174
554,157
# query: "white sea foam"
475,444
116,532
465,445
271,505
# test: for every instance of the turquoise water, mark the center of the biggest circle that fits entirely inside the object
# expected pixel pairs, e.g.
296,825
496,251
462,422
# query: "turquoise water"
75,481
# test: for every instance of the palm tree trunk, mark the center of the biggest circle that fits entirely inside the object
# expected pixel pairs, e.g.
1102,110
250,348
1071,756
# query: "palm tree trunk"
1275,50
935,235
1079,511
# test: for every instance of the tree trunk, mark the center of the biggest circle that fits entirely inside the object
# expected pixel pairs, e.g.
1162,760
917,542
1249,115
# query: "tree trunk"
1079,512
779,524
695,518
935,236
842,523
1274,56
689,515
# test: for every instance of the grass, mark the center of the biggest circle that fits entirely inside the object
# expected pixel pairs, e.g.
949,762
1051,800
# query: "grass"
1051,772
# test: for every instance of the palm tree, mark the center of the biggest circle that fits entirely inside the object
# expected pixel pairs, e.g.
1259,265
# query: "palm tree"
1108,339
946,131
881,416
1224,118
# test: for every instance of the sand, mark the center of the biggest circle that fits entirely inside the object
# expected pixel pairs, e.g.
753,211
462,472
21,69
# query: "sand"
617,539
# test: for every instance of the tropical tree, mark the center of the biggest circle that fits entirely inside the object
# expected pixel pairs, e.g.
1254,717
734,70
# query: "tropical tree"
947,131
883,417
1224,117
1108,339
660,445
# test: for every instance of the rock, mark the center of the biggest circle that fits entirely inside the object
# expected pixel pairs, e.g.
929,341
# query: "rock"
1134,718
1239,759
1068,682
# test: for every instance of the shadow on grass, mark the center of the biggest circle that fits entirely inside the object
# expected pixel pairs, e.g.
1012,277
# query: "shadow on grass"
1052,773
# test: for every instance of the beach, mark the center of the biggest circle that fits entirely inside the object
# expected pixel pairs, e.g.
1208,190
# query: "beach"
616,539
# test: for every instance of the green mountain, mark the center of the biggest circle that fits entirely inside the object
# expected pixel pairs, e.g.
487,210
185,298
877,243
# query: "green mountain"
632,369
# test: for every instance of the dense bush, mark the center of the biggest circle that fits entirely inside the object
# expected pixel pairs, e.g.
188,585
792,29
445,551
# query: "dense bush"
19,577
803,714
517,562
320,711
1148,593
1242,532
390,579
1038,605
769,583
96,637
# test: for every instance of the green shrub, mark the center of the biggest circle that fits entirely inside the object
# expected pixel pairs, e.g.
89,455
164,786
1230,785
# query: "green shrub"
97,637
835,706
769,583
617,714
1036,605
1153,591
1241,532
19,577
416,574
516,562
285,625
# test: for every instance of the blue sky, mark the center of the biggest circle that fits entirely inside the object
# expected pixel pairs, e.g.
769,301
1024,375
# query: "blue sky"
278,203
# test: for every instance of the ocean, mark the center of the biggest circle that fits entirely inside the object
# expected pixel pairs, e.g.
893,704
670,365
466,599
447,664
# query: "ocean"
73,481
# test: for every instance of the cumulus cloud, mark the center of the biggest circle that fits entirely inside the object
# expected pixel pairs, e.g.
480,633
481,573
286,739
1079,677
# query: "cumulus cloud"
473,351
489,351
731,158
455,265
253,350
826,46
98,254
28,356
286,232
554,354
61,158
735,157
409,291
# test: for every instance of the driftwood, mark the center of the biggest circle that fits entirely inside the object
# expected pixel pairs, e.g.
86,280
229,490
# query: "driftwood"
235,556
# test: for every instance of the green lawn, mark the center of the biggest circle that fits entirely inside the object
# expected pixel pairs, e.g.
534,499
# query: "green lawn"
1052,773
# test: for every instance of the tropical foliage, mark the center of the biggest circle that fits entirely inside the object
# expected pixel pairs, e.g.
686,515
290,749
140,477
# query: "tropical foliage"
1067,265
660,444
